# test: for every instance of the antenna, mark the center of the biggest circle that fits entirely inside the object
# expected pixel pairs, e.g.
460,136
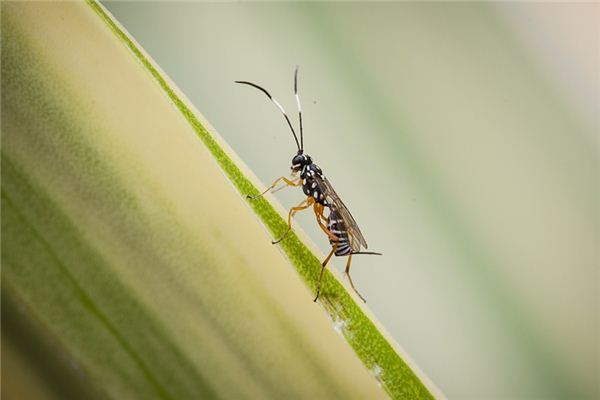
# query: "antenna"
278,106
299,109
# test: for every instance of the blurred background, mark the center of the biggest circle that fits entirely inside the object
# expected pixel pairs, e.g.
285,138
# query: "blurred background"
464,139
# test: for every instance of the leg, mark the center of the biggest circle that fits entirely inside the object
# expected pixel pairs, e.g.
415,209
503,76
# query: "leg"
288,182
320,218
350,278
302,206
323,270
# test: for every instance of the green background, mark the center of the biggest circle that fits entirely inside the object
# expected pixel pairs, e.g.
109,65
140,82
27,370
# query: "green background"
464,139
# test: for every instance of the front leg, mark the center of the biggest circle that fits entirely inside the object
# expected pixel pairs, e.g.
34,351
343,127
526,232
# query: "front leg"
295,182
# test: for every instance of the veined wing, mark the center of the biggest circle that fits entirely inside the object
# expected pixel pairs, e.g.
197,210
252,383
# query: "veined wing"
334,199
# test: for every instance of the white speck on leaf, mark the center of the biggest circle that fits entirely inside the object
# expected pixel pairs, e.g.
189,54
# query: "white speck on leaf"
376,372
340,325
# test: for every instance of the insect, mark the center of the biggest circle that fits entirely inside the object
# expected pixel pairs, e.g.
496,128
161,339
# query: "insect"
342,230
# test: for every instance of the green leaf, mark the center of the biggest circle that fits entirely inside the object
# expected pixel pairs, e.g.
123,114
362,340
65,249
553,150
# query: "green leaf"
133,258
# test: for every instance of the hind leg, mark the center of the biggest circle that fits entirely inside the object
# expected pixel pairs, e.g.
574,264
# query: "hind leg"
350,278
321,220
323,270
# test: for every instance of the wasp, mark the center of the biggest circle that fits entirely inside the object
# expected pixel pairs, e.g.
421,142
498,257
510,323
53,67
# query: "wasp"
342,230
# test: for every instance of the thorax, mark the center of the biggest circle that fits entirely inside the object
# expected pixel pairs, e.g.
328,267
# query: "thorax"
310,175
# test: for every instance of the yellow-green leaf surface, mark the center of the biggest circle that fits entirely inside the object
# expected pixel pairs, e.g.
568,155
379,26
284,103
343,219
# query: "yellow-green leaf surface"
131,260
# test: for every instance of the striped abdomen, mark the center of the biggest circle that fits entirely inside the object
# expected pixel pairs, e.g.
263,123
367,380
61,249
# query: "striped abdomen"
336,225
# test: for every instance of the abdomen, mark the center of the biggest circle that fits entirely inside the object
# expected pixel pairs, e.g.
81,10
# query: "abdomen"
336,225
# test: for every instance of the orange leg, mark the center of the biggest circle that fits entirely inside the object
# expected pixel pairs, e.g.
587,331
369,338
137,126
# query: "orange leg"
302,206
323,270
296,182
319,208
350,278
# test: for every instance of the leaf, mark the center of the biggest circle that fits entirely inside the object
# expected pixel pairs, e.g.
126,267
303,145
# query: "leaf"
129,255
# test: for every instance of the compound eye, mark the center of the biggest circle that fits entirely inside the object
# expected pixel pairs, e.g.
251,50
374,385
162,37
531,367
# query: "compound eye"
297,160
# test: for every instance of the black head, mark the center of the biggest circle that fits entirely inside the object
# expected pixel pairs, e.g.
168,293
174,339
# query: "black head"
299,161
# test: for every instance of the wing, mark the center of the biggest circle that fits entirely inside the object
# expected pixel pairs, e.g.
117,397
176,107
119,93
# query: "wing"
351,225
